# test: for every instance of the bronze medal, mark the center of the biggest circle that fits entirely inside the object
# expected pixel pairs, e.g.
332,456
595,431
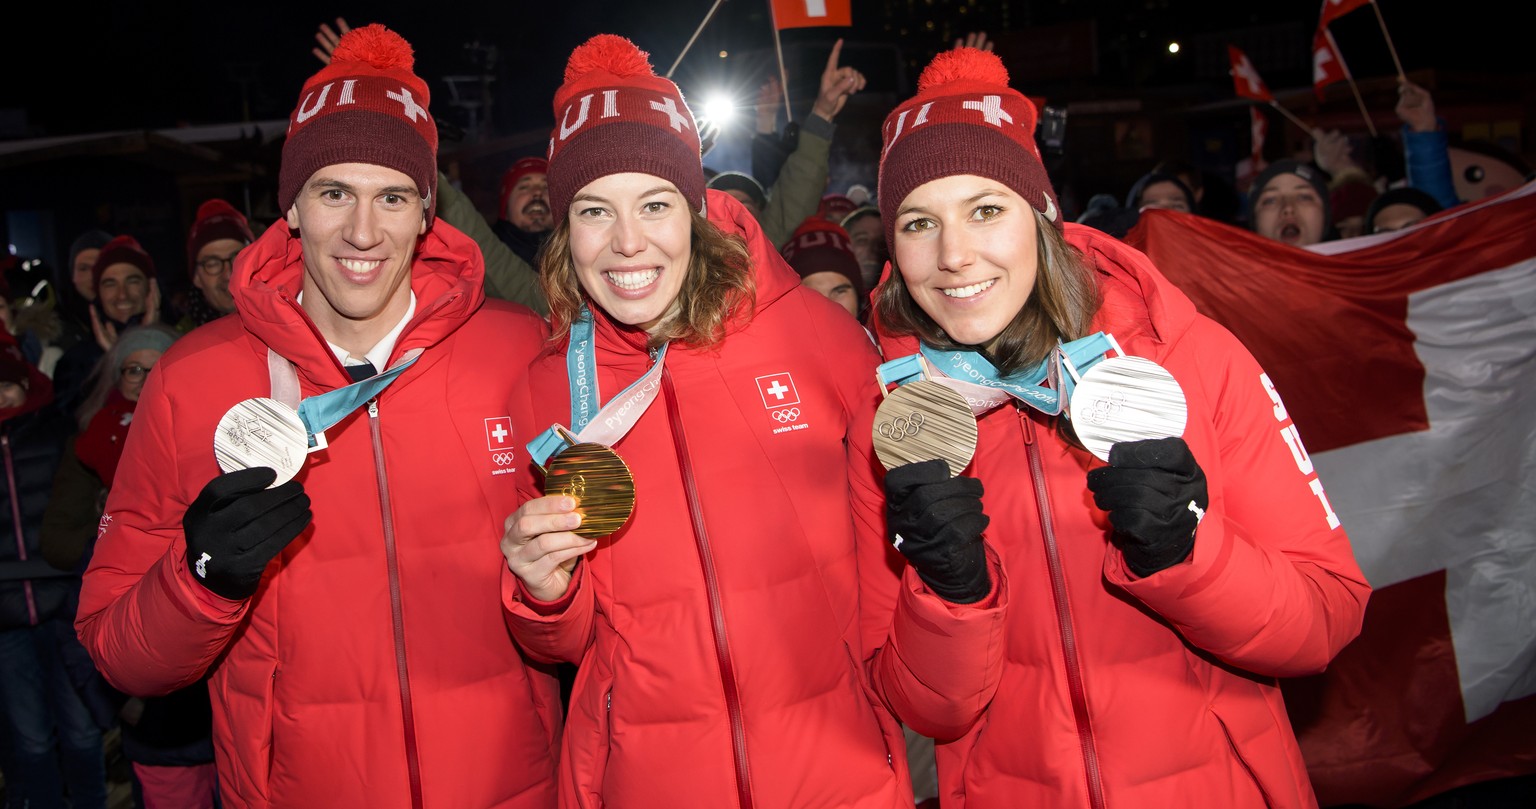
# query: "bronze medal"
921,421
601,483
261,432
1126,399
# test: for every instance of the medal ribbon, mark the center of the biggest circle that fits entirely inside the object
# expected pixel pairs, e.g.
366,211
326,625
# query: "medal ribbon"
614,420
971,375
320,413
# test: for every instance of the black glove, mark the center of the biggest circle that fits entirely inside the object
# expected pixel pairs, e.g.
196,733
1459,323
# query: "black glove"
237,525
936,522
1155,494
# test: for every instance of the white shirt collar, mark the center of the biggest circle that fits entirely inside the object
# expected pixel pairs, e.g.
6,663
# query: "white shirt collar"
379,354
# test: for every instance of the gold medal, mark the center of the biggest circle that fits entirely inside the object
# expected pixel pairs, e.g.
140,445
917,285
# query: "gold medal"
921,421
601,483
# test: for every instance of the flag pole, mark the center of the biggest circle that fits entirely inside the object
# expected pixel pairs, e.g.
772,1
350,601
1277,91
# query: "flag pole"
695,36
778,51
1291,116
1382,21
1343,65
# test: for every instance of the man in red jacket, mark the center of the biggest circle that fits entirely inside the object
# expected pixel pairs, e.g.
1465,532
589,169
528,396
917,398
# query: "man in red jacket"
348,618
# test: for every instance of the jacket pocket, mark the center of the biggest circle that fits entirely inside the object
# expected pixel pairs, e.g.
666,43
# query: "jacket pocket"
1263,749
246,694
589,739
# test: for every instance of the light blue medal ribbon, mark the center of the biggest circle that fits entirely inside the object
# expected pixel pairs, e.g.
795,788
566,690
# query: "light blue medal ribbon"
320,413
589,423
1042,386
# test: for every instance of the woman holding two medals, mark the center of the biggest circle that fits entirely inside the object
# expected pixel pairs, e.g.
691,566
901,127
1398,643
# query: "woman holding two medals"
1155,599
708,546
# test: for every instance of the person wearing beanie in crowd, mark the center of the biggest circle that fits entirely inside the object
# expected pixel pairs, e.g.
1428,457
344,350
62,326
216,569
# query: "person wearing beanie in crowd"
1397,208
524,217
834,207
124,293
822,255
75,287
744,188
218,234
726,629
868,239
1154,190
1156,598
1288,203
342,601
53,742
167,739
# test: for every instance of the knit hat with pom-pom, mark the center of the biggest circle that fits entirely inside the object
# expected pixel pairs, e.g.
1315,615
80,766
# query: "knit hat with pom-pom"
614,115
965,119
821,246
216,219
366,106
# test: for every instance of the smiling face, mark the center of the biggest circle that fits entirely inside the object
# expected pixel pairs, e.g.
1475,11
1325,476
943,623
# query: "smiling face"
631,240
358,224
121,291
211,270
968,250
1289,210
528,204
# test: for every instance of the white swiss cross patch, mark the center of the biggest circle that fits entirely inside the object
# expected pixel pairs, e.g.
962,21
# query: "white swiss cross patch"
498,433
777,390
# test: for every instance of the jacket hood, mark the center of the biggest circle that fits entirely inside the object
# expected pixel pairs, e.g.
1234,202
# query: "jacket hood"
772,276
447,275
1138,301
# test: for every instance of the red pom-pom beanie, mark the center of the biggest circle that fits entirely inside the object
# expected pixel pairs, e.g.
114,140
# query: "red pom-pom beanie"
613,115
366,106
965,119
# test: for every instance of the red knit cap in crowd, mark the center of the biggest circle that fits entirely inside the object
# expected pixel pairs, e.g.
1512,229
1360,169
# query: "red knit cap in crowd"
122,250
965,119
366,106
822,246
522,168
216,219
613,115
834,207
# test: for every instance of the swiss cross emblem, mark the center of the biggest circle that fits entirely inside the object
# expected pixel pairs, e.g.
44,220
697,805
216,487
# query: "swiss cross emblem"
498,433
777,390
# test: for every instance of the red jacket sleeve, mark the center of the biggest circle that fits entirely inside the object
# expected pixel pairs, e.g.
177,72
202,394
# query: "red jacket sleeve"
1272,585
150,627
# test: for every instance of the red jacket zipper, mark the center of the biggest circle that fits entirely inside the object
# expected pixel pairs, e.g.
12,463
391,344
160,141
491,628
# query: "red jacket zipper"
397,613
716,612
21,541
1064,620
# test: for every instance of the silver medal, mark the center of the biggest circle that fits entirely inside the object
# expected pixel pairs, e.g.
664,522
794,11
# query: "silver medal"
1126,399
261,432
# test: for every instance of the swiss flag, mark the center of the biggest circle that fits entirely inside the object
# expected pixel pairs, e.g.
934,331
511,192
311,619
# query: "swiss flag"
1334,9
1245,78
777,390
1327,65
811,13
1408,360
498,433
1248,168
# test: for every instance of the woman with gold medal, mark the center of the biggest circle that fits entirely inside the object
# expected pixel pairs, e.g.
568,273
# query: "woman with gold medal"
707,540
1154,599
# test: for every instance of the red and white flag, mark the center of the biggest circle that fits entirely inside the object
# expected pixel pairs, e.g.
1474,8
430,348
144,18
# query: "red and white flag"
1245,78
1327,65
1249,167
811,13
1334,9
1408,361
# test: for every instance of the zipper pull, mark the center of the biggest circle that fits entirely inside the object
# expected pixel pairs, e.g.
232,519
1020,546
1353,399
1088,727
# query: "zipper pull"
373,408
1029,427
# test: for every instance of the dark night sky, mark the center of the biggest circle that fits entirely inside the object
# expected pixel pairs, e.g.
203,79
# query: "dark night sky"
139,68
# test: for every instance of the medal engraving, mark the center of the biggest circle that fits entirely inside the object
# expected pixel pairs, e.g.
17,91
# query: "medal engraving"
921,421
601,483
261,432
1126,399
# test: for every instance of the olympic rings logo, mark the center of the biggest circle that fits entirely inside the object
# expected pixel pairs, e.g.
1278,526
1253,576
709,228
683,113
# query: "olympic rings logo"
902,427
1105,409
577,487
787,415
502,458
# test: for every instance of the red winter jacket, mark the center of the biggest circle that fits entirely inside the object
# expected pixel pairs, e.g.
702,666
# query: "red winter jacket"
373,668
1127,693
723,634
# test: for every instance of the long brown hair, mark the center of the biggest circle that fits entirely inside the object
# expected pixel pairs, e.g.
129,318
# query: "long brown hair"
719,282
1060,307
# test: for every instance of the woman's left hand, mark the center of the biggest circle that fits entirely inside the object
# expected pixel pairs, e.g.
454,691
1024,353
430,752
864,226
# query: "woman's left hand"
1155,494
